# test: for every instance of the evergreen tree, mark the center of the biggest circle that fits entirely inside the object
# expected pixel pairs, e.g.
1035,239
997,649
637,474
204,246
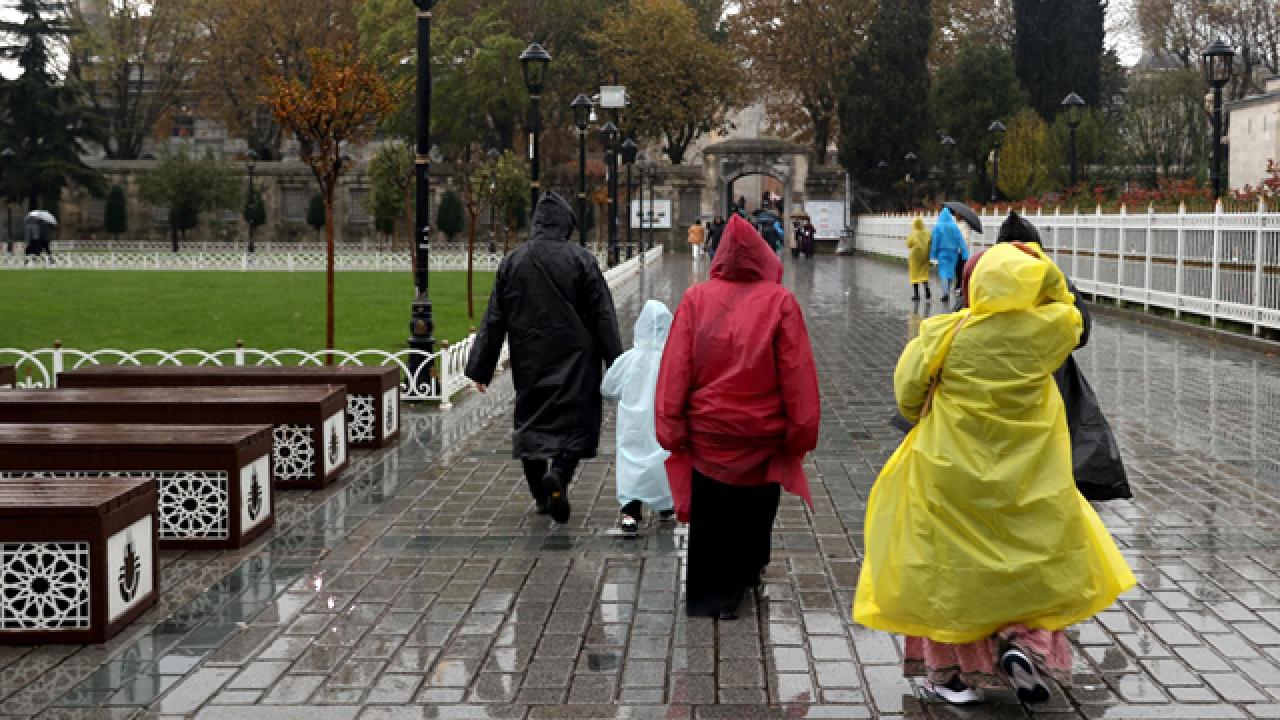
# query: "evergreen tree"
1058,49
450,218
188,188
883,114
43,118
315,213
116,214
979,86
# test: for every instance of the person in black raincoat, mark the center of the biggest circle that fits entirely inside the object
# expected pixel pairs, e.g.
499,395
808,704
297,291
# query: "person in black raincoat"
551,303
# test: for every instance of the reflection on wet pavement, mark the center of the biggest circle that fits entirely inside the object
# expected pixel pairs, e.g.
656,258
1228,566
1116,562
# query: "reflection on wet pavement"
423,586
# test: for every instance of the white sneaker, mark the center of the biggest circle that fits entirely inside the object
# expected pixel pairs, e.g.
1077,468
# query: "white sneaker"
954,692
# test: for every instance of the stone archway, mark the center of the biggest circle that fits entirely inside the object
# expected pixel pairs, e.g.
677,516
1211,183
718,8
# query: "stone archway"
725,162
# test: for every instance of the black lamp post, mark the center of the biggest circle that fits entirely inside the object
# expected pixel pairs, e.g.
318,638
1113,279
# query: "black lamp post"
629,151
610,133
533,63
653,205
252,159
910,160
948,146
7,158
997,131
1073,104
493,156
582,108
1218,63
882,178
422,322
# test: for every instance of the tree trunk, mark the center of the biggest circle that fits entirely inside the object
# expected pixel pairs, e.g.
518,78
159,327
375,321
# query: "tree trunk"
328,276
471,257
821,137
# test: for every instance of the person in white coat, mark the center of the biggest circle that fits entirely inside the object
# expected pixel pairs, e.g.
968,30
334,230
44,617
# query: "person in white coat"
633,381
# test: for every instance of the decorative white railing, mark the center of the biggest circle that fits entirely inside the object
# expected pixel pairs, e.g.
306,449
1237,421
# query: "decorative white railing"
40,368
240,261
1223,266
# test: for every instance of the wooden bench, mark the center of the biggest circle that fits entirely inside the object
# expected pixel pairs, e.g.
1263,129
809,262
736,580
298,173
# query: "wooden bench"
373,393
8,377
309,447
213,481
77,558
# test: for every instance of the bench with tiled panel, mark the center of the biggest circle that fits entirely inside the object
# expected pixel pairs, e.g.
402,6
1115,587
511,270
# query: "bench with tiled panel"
8,377
373,393
213,481
309,446
77,558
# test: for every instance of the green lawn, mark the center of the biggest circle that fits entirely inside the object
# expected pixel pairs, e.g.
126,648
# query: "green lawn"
131,310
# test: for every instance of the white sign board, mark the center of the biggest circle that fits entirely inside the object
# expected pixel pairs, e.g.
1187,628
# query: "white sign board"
660,211
827,217
613,97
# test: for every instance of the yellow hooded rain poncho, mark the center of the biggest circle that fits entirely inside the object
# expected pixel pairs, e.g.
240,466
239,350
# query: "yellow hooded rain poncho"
918,253
975,522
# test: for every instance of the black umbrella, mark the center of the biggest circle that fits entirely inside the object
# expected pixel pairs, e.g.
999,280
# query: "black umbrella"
966,213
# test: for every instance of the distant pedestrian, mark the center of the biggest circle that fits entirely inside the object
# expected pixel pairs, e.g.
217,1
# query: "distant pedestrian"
918,259
633,382
979,548
738,407
551,303
809,237
948,247
697,236
713,236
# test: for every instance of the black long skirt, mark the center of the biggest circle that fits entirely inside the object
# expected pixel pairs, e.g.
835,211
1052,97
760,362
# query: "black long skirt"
730,532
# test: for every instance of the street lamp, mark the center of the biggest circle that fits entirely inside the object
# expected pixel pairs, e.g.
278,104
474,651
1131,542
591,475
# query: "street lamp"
610,133
997,131
948,146
910,160
582,109
252,159
629,151
1218,63
7,158
493,155
652,171
533,63
1073,104
422,322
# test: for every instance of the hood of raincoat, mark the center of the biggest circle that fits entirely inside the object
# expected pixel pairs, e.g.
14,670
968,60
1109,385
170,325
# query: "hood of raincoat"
1015,277
553,219
1016,228
946,224
652,326
743,256
918,225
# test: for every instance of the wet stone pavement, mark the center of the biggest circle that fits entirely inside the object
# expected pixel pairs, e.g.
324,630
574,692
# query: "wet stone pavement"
422,585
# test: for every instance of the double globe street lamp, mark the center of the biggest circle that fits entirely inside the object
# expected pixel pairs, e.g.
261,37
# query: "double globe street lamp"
629,152
1073,105
422,323
610,134
997,132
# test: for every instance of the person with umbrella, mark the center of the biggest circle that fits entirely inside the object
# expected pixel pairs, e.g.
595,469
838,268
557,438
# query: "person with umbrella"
36,228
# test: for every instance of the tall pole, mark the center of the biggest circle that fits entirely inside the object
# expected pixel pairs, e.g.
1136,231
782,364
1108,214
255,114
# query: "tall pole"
582,187
252,157
630,193
995,174
653,216
422,323
1217,142
535,129
611,161
1075,168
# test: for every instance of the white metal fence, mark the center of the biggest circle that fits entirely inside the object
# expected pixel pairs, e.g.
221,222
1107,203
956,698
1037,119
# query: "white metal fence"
40,368
240,261
1224,266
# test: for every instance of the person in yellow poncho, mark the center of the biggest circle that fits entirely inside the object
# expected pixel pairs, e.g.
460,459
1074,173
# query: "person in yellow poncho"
918,259
979,548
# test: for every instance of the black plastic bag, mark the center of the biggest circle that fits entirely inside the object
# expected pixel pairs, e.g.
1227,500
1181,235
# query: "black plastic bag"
1095,455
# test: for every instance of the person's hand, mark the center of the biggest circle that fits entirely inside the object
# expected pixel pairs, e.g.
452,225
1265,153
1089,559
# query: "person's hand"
481,388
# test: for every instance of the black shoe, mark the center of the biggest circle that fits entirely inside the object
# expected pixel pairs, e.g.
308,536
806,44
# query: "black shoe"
954,692
927,294
915,298
557,496
667,515
1024,677
628,525
946,298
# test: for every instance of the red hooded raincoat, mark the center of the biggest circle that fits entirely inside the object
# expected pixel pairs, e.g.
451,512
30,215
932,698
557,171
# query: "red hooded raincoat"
738,391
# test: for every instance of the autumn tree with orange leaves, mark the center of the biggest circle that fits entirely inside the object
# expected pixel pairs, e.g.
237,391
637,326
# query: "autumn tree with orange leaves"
342,104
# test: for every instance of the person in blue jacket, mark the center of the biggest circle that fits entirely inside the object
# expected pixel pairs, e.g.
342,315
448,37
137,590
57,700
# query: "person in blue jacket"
947,247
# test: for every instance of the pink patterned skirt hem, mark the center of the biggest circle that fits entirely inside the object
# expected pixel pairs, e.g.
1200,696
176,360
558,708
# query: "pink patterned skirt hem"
977,662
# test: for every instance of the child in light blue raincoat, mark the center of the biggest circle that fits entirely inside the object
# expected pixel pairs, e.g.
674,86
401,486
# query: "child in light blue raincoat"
948,248
633,381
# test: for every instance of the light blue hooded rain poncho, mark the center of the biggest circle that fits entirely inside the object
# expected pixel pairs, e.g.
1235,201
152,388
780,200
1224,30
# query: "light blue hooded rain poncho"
947,245
633,381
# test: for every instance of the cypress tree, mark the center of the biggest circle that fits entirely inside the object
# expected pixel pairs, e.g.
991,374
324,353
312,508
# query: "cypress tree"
1057,49
116,214
450,217
884,109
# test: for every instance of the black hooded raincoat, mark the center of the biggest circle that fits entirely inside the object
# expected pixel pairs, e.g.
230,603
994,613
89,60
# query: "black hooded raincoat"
552,304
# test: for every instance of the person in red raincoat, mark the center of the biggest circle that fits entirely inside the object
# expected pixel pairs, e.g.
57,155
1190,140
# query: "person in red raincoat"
737,406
